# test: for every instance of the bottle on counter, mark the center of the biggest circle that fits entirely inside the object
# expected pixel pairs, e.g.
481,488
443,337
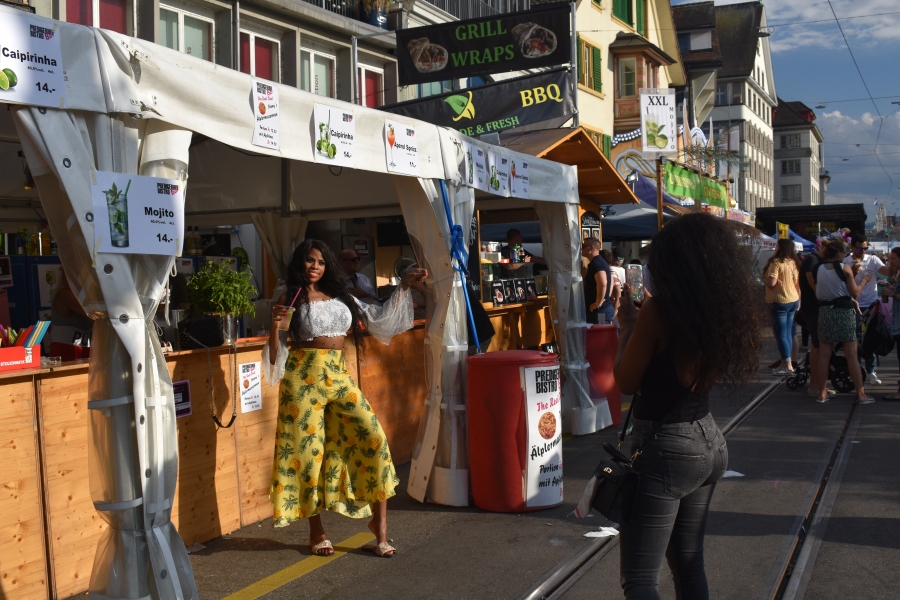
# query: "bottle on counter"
54,250
20,245
45,240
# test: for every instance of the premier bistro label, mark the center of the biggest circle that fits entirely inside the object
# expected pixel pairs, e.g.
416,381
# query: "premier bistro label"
544,473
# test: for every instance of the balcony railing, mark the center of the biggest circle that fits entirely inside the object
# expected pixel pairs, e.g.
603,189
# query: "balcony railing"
345,8
473,9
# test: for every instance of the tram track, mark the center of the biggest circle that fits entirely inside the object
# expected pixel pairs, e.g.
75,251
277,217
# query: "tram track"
556,582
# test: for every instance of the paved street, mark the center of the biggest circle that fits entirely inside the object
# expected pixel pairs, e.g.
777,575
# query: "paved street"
444,552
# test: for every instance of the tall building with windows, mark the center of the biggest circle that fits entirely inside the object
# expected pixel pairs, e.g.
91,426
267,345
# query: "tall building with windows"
800,176
741,113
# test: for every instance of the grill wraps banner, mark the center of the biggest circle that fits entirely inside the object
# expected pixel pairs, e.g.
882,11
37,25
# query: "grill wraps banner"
687,184
497,44
497,106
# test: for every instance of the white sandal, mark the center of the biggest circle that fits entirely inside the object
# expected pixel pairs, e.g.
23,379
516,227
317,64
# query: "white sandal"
323,545
383,549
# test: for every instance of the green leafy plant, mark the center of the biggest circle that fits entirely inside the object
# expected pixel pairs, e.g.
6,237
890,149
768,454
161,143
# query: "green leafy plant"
216,289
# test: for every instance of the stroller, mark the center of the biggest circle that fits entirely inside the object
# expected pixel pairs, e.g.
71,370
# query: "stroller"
879,342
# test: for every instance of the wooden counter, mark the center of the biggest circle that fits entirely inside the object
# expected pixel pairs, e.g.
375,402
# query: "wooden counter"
519,326
48,526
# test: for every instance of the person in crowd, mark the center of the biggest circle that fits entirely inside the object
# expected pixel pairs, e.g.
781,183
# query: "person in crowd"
781,277
618,281
358,284
701,327
70,327
330,451
894,267
418,291
836,291
513,239
862,264
809,312
597,284
617,259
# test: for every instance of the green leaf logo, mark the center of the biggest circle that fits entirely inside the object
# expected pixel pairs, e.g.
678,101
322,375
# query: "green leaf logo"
462,106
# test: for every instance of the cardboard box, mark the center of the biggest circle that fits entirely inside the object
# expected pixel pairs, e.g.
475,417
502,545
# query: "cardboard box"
17,357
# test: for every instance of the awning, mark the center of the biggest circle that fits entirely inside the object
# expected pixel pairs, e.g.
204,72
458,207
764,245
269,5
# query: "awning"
598,180
633,223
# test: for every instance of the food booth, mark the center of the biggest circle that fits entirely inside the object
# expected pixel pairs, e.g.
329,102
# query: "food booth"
95,496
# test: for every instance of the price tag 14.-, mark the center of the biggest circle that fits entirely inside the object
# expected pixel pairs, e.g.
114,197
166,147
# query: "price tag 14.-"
137,215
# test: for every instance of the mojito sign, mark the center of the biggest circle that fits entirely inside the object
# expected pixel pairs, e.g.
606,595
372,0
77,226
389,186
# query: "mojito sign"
137,215
659,129
31,68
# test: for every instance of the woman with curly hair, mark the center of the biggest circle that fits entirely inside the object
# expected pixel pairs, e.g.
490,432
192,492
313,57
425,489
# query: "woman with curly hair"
702,326
330,451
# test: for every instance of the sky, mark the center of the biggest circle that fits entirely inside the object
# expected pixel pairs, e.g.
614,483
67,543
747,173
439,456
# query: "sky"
813,65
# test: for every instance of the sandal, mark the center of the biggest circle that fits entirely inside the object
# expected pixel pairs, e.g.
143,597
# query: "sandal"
323,548
383,549
865,400
892,397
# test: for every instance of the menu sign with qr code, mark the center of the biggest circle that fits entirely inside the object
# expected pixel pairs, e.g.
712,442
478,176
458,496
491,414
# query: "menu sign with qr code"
544,472
334,135
251,387
265,114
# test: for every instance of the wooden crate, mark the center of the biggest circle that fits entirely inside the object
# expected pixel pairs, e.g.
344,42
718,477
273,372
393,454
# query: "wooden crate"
23,573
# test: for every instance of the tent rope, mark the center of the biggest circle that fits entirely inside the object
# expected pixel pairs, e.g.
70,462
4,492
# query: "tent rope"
460,255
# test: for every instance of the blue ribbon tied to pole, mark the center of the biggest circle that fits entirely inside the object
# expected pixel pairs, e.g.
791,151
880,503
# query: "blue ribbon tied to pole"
460,259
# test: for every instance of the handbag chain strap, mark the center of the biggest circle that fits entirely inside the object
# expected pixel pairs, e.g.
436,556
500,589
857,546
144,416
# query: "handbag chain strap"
232,364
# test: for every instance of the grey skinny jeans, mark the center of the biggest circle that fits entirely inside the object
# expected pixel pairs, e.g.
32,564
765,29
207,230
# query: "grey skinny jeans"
679,468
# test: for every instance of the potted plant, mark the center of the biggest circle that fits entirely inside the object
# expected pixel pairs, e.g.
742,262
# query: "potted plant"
373,12
217,290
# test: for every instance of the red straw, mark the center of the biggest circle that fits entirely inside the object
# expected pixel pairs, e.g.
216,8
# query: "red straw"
295,298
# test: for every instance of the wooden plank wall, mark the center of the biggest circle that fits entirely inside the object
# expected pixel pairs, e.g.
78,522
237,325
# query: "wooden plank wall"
393,381
23,574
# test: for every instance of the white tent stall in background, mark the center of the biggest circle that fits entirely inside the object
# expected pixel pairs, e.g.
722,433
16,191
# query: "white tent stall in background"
139,108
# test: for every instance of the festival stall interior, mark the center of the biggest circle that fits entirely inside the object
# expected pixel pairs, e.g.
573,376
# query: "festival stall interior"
120,464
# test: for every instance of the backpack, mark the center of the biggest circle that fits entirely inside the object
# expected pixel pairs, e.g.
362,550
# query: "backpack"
877,338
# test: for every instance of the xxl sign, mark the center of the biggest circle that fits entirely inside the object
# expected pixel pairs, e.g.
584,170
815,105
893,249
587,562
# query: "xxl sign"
498,44
497,106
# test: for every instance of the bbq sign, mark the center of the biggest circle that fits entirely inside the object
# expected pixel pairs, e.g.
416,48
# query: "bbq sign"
498,44
543,98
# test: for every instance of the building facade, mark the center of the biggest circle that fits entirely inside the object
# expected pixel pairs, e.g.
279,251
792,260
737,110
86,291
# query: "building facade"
800,176
740,117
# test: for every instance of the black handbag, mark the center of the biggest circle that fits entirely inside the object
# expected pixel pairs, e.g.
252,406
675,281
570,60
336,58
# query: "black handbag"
201,331
618,482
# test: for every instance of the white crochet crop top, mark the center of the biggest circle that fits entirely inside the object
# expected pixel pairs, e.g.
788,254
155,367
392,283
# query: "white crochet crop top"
325,318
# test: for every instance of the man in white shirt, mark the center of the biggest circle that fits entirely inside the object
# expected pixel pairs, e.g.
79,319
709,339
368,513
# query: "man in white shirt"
358,284
861,263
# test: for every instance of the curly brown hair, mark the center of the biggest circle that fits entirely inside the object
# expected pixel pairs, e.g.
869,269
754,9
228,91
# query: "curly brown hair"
709,301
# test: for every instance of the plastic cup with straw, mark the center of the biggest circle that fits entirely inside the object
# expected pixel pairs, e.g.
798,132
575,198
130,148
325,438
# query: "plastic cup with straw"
285,323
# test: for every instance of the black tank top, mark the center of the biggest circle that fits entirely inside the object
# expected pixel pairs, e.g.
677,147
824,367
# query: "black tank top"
661,391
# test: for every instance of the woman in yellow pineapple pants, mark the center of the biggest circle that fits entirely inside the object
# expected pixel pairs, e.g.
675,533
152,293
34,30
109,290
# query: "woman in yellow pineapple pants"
330,450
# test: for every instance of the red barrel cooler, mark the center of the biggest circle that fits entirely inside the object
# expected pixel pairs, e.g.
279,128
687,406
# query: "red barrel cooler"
515,430
602,344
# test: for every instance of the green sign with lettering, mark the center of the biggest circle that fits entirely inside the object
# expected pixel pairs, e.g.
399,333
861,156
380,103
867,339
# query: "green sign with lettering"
688,184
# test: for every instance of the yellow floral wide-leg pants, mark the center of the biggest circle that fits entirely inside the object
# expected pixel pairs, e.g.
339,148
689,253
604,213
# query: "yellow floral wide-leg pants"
330,451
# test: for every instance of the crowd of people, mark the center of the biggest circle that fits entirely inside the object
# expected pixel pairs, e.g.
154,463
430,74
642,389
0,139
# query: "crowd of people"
831,294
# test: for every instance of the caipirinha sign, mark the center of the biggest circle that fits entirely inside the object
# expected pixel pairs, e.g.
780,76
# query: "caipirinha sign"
461,49
498,106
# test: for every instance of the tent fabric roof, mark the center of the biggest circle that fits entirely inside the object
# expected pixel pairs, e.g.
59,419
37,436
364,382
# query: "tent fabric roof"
111,73
634,223
736,26
598,180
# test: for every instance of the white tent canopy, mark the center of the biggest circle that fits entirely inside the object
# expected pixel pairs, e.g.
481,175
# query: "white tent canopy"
136,107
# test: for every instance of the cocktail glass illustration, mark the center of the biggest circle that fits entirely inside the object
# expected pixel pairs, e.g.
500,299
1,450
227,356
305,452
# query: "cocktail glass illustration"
117,205
391,140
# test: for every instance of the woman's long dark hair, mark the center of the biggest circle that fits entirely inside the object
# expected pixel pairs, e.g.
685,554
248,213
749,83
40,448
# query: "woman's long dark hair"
784,250
710,303
333,284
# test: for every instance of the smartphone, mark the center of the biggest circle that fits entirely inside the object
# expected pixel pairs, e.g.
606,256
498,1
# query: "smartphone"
635,276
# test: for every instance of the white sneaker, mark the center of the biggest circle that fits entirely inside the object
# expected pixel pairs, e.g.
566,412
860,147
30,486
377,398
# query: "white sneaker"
872,379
